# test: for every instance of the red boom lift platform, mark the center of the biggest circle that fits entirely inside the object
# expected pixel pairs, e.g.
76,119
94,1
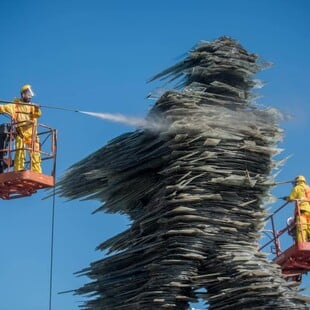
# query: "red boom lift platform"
295,260
17,184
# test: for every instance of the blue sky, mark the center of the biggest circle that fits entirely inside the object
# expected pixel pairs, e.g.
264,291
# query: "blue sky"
97,56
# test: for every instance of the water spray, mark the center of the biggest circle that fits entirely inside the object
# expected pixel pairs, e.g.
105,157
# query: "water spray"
118,118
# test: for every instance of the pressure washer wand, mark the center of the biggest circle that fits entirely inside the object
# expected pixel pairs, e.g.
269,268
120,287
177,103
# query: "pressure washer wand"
43,106
284,182
59,108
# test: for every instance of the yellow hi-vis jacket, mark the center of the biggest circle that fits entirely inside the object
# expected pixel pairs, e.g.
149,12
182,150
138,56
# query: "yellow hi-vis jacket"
20,112
299,192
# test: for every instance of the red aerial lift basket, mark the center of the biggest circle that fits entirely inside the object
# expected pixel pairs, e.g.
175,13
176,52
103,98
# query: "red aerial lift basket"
295,260
17,184
23,183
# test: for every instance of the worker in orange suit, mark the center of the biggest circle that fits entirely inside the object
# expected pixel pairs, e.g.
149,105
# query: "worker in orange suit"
25,115
301,191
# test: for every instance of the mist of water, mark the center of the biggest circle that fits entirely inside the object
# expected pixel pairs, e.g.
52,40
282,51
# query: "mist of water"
127,120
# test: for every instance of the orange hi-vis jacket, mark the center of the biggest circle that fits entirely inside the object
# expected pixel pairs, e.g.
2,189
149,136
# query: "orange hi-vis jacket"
300,191
20,112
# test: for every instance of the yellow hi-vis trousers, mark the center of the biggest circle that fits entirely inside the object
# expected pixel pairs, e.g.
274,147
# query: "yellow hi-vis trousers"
303,227
20,155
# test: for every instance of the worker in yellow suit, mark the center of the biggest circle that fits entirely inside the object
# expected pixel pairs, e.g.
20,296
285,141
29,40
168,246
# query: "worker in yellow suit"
301,191
25,116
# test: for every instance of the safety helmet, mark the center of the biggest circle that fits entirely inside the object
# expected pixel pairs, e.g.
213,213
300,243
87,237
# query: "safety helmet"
26,87
300,178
